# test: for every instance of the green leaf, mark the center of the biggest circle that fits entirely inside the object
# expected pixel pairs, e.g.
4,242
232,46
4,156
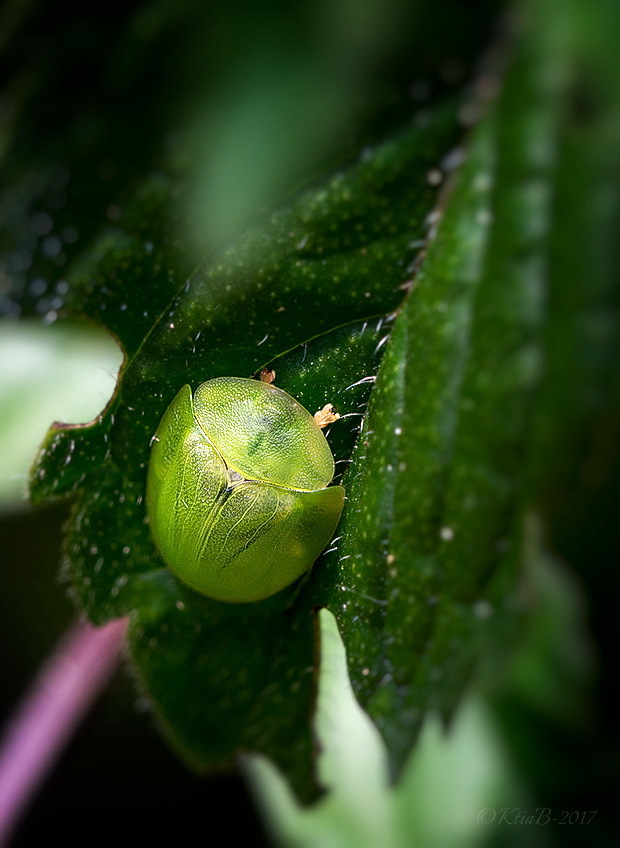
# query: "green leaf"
42,380
438,471
310,291
432,521
451,792
426,571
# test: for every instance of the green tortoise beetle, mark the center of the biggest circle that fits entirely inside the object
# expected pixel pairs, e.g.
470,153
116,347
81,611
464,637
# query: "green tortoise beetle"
238,494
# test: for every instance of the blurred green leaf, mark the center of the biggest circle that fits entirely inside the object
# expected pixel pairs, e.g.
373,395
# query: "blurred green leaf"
209,112
48,373
450,788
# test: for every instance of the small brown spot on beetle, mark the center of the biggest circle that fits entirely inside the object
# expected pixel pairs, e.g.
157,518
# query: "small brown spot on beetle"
267,375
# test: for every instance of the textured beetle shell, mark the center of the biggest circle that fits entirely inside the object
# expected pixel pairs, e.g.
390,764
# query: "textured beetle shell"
237,493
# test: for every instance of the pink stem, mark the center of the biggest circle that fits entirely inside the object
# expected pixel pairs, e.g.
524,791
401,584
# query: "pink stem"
64,690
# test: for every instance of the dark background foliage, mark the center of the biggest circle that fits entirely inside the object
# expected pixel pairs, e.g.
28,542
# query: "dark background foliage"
104,107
